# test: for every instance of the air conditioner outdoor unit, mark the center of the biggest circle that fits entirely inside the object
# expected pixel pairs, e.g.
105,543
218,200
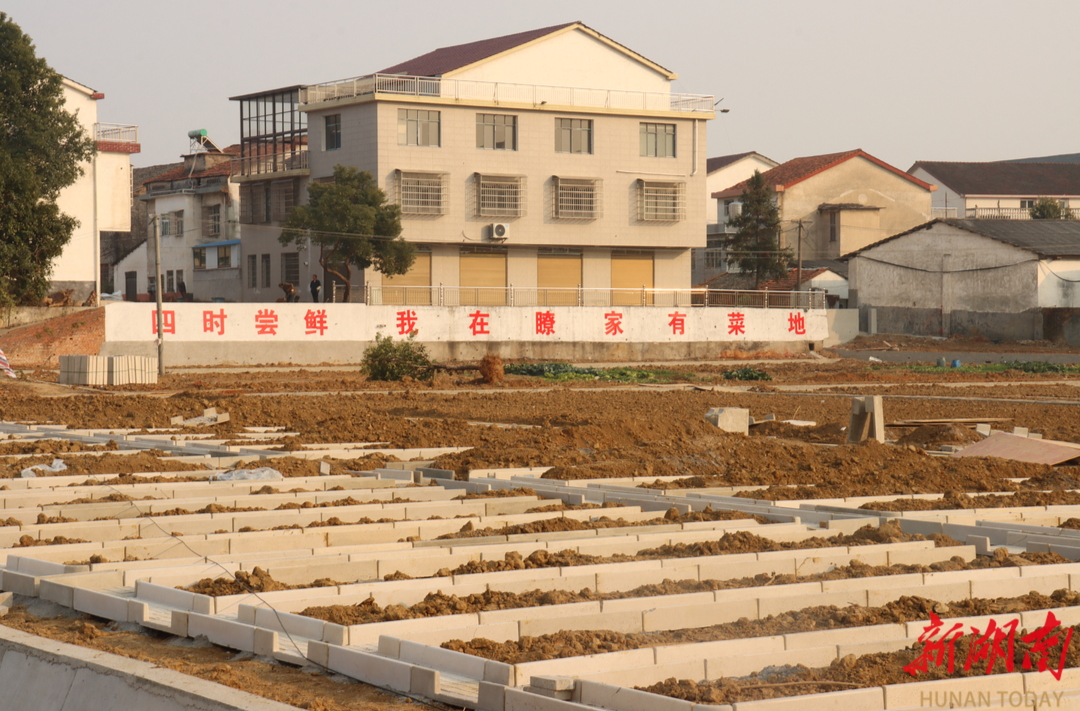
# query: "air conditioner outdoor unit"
500,231
734,210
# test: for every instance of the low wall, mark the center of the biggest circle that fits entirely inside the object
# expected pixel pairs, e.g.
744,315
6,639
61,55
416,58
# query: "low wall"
1022,326
843,326
207,334
38,674
22,315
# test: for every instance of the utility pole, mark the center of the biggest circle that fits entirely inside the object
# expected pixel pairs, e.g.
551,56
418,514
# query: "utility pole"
798,268
157,293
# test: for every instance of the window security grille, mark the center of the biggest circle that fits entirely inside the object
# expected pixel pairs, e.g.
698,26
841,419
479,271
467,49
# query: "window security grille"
578,198
661,201
422,193
500,195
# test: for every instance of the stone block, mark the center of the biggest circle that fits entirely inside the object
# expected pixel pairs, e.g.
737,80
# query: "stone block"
671,654
539,613
266,642
592,693
585,666
867,419
659,602
898,696
693,616
370,668
983,429
872,699
627,622
424,682
226,633
840,598
499,673
553,683
742,665
930,555
869,584
521,700
729,419
442,659
849,635
945,592
1018,586
490,697
26,687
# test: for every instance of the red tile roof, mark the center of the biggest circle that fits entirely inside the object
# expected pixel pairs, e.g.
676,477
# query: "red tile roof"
797,170
447,59
1027,179
181,173
787,282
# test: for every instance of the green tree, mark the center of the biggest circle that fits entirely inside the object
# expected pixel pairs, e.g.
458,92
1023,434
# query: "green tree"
41,149
1050,209
353,225
755,246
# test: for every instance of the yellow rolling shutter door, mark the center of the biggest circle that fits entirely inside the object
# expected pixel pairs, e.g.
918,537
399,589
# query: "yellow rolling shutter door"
629,273
558,272
419,274
483,279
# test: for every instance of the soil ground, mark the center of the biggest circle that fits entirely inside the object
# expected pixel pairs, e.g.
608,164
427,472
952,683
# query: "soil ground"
582,429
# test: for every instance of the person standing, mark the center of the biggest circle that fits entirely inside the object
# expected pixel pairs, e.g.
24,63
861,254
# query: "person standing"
182,288
315,286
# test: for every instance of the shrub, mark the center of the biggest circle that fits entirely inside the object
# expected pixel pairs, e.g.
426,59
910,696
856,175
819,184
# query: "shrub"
747,373
387,360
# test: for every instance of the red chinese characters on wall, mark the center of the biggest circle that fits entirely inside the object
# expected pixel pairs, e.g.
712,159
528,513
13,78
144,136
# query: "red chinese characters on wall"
677,323
545,323
736,324
612,323
266,322
315,322
406,322
168,322
796,323
212,322
478,323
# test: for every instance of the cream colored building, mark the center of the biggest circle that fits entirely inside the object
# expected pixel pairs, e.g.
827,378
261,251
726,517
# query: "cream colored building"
555,158
841,202
100,199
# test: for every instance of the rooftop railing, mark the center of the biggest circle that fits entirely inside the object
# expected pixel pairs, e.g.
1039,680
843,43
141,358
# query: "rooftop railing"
1008,213
271,163
499,92
116,132
539,297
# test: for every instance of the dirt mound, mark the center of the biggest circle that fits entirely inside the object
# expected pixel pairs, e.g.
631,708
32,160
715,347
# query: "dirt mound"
832,433
258,580
575,643
150,460
491,369
560,523
54,446
960,500
932,436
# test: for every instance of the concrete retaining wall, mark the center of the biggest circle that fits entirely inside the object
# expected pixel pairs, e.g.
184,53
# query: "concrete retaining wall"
38,674
338,333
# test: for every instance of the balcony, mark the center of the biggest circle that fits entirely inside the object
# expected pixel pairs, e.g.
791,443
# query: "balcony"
943,213
498,92
721,228
117,137
998,213
273,163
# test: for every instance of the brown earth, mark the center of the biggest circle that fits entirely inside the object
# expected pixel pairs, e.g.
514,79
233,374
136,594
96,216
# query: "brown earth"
577,643
959,500
302,688
53,446
961,344
258,580
150,460
437,603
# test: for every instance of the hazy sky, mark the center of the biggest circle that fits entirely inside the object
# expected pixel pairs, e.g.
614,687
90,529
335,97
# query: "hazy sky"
905,80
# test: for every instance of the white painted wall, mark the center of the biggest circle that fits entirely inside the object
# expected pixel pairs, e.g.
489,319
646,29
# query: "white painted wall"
574,59
1059,283
730,174
78,263
131,322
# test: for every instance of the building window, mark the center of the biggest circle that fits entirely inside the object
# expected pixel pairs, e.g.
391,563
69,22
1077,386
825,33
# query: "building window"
496,132
578,198
834,227
170,282
417,127
1027,204
224,257
178,223
333,132
180,280
282,199
714,258
164,225
422,193
658,140
199,256
290,268
661,201
573,135
500,195
212,220
253,273
266,271
151,284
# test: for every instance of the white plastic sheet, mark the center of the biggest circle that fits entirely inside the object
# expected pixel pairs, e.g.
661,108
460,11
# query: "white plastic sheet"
56,466
260,474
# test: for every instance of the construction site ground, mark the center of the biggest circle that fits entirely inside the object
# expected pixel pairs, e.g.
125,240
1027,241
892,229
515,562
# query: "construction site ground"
650,437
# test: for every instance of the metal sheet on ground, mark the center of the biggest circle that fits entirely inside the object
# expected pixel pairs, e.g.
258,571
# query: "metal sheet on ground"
1021,449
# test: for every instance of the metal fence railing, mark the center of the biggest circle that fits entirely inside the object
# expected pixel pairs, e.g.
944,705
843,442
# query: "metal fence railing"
271,163
116,132
538,297
465,90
